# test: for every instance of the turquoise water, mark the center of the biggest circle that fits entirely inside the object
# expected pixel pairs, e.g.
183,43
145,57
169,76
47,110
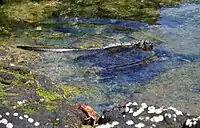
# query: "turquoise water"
112,77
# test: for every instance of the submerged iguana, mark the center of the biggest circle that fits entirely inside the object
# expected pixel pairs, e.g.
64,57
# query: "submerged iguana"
113,48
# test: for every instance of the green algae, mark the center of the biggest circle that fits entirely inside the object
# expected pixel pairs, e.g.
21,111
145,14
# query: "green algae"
16,76
50,107
67,92
47,95
29,10
13,14
70,91
146,11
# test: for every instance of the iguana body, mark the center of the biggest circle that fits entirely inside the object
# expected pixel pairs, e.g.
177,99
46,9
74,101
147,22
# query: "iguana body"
118,47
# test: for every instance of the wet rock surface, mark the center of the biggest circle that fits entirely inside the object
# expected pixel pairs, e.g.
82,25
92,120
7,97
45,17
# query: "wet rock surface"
29,99
66,116
134,115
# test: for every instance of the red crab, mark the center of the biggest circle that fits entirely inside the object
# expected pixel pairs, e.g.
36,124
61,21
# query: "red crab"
91,114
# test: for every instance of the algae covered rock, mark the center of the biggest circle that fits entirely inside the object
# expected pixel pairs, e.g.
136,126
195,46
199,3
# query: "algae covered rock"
30,99
146,11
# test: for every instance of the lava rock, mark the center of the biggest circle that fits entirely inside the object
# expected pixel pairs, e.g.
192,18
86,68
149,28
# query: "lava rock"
133,115
67,116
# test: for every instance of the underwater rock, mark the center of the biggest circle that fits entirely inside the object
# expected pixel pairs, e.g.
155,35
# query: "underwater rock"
132,114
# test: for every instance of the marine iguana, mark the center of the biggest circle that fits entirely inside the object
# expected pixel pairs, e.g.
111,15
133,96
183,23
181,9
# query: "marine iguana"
145,45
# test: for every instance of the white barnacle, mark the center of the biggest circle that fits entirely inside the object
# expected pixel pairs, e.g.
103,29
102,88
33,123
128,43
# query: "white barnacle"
161,118
26,116
151,111
24,101
115,123
129,122
15,114
195,119
30,120
151,108
153,125
12,65
0,116
103,117
154,119
179,113
188,122
176,111
20,103
109,125
3,121
141,118
174,119
147,118
36,124
169,115
128,104
126,109
124,115
174,115
131,110
139,125
144,105
101,126
158,111
194,123
157,118
21,118
9,125
135,104
138,112
7,113
41,100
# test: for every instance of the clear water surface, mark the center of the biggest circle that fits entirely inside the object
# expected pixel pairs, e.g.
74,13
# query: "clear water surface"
112,77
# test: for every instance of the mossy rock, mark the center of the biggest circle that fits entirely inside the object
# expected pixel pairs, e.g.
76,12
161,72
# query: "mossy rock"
29,10
146,11
14,13
27,93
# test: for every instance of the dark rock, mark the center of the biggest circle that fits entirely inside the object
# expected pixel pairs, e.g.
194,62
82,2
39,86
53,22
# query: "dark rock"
43,81
21,70
144,116
67,116
6,78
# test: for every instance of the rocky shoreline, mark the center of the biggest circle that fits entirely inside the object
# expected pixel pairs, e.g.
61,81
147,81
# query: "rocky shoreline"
30,99
33,100
134,115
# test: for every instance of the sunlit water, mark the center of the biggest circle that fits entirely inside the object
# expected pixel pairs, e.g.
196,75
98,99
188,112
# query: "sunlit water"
111,77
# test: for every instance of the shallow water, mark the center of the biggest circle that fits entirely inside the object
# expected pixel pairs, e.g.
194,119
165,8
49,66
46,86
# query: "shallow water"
113,77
